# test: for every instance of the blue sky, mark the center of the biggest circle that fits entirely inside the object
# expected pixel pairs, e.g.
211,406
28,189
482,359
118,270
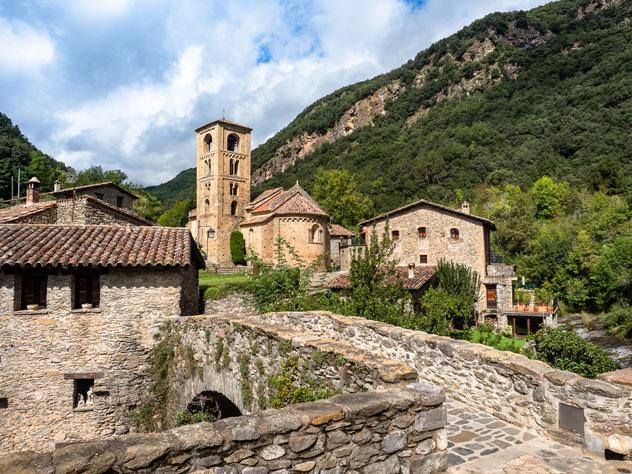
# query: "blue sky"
123,83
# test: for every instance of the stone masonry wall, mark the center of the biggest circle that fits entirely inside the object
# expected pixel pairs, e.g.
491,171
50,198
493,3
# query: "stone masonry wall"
41,350
396,430
512,387
241,357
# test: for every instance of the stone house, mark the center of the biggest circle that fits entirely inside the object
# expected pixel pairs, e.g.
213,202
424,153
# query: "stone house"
108,192
80,207
425,232
291,214
223,203
78,307
337,235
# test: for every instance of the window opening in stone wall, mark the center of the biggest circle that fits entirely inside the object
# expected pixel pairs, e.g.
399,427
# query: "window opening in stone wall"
33,291
208,143
236,167
119,201
233,142
4,403
83,393
610,456
87,291
421,231
207,206
454,233
423,259
208,167
230,166
233,208
99,196
315,234
395,235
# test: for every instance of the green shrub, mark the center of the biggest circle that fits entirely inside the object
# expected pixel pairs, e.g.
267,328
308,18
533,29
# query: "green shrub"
237,248
189,418
619,320
568,351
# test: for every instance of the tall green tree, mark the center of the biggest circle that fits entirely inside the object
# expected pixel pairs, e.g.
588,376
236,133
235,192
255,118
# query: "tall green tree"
337,192
177,215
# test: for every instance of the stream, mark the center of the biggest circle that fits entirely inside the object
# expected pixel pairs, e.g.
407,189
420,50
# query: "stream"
619,350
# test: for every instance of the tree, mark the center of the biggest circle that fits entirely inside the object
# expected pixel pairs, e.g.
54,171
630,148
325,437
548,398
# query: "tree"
457,290
178,215
237,248
549,197
376,291
96,174
147,204
337,192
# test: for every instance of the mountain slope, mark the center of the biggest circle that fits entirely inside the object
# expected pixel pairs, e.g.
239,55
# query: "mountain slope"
512,97
17,152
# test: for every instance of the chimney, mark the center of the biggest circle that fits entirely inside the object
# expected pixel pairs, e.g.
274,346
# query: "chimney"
465,207
411,271
32,191
56,186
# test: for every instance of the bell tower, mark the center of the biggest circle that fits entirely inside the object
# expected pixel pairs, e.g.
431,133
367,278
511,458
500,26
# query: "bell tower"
223,186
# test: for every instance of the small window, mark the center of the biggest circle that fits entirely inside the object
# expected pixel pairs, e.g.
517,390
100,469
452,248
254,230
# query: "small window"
4,403
233,142
233,208
315,234
423,259
208,143
33,291
99,196
208,167
207,206
87,291
236,168
119,201
84,393
233,189
421,231
395,235
454,233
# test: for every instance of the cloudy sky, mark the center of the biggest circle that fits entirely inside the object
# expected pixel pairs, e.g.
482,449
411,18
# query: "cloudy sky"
123,83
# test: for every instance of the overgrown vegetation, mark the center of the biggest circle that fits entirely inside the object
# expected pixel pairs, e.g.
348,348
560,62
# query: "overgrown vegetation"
294,384
568,351
190,418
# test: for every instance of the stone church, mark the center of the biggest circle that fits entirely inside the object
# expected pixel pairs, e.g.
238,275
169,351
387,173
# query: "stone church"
223,203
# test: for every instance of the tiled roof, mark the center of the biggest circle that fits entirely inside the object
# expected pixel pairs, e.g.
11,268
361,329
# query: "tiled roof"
422,275
14,213
336,230
41,245
294,200
424,203
278,202
265,195
66,191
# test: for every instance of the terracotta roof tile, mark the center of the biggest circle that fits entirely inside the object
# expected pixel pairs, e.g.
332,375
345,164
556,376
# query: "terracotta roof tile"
10,214
423,274
41,245
336,230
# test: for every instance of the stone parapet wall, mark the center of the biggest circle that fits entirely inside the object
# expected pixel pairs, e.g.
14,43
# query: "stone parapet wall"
400,429
241,357
561,405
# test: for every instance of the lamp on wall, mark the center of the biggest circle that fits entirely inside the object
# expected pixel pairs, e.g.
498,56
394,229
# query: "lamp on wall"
210,233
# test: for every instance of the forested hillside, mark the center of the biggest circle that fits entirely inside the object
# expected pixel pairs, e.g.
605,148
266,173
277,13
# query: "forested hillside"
510,98
17,152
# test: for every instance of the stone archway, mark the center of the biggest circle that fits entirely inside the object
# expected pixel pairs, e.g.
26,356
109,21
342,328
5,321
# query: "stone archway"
215,404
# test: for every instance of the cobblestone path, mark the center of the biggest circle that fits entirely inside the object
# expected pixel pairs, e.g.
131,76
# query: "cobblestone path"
481,443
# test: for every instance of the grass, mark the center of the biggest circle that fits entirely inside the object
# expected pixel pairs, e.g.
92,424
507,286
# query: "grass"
217,286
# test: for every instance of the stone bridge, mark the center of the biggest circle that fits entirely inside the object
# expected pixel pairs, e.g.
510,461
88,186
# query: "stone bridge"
506,413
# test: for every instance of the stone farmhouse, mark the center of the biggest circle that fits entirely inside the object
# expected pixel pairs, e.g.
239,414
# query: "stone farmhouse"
102,203
424,233
224,204
78,304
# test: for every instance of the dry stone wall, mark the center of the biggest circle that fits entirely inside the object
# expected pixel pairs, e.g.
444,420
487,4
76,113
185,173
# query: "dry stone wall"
395,430
561,405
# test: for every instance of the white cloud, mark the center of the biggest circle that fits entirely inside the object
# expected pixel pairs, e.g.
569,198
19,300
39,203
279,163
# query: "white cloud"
145,127
23,50
93,10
